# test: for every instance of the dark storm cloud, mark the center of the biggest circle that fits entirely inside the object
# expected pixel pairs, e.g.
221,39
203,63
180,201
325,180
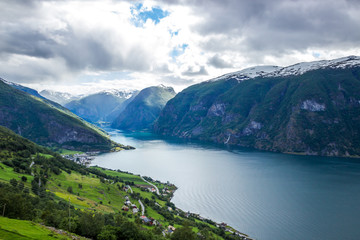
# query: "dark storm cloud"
26,42
218,62
192,72
277,26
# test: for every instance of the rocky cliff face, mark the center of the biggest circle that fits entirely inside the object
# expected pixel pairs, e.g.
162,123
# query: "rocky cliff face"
314,112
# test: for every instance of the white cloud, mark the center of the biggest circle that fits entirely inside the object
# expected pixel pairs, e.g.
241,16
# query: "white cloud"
101,44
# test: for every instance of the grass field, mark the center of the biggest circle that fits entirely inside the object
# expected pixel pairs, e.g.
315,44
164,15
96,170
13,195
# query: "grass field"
20,229
8,173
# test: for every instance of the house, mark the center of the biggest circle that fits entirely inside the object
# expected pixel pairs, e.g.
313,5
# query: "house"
125,208
169,230
128,203
135,210
223,225
146,220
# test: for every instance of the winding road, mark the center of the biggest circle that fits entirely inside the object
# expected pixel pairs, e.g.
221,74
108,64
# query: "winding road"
130,188
157,190
142,208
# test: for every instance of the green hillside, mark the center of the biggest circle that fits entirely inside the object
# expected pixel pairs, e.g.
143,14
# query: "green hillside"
40,186
314,113
143,110
47,123
25,230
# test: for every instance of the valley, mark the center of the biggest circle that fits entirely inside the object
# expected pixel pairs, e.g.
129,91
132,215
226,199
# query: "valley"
88,196
215,146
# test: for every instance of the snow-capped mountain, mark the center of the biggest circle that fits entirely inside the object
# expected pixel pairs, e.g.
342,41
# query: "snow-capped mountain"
100,106
301,68
59,97
119,93
307,108
296,69
248,73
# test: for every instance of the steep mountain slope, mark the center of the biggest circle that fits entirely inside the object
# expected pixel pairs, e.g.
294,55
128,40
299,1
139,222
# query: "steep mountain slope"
309,108
47,124
59,97
23,88
142,111
121,107
97,107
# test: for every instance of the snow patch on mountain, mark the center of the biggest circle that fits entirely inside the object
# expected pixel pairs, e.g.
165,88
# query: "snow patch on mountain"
248,73
63,95
119,93
312,106
296,69
301,68
9,83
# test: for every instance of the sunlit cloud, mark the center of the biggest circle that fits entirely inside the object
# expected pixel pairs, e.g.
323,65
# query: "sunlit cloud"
135,44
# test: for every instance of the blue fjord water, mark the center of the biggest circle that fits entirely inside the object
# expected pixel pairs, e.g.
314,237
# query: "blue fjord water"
266,195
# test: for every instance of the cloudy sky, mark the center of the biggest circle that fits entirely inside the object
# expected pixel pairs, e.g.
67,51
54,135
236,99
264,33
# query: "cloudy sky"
86,45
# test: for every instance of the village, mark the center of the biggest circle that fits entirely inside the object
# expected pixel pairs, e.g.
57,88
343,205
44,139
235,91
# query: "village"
131,207
81,158
166,193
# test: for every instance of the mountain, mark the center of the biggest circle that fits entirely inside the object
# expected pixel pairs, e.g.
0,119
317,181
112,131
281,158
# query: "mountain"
307,108
59,97
47,123
23,88
121,107
143,110
96,107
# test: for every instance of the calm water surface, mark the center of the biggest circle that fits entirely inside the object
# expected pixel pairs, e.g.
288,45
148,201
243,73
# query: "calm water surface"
266,195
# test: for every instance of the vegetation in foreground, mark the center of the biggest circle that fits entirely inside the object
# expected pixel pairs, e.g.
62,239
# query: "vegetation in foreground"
40,186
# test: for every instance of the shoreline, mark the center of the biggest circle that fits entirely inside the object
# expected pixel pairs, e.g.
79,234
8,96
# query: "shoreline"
170,193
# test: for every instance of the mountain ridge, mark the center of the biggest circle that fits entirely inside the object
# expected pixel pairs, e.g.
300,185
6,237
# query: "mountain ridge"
99,106
313,113
142,111
48,123
295,69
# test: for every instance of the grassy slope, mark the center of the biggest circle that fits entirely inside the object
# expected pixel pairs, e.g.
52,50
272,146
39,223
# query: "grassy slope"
24,230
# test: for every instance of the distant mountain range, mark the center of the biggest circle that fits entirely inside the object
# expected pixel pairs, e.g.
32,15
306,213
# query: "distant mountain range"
101,106
46,122
307,108
59,97
144,109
